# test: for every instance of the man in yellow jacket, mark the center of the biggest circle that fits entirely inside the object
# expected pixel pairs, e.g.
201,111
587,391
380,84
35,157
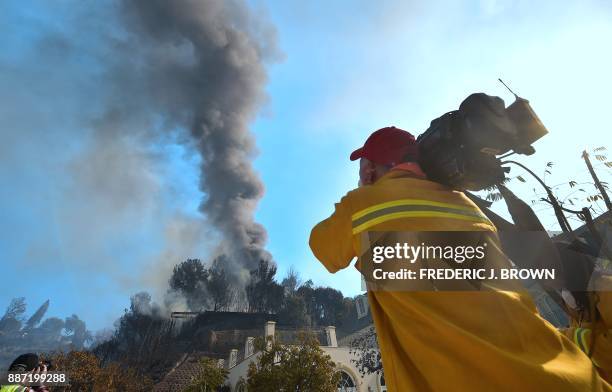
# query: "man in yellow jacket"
591,329
441,340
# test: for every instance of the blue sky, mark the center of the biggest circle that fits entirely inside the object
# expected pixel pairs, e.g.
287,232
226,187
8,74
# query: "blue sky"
348,68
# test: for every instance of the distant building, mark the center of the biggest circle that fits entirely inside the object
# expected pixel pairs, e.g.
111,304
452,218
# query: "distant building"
351,380
240,352
238,359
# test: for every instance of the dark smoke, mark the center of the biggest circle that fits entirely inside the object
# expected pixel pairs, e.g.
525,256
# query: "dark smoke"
90,106
203,64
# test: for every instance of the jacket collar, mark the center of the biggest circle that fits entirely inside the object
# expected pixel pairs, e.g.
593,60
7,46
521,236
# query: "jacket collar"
411,167
411,171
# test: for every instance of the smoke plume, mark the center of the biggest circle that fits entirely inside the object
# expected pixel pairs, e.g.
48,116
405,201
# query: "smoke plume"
99,101
202,63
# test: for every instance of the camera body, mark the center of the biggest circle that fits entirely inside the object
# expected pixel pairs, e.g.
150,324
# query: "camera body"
460,149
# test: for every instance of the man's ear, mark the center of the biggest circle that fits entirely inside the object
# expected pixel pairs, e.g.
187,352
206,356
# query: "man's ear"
370,173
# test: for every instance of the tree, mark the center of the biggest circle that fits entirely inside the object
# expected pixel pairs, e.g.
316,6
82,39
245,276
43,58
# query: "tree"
190,278
114,377
16,309
35,319
140,303
52,328
367,354
218,284
82,367
138,335
77,332
293,312
291,282
302,367
87,374
325,305
306,292
329,305
19,334
210,377
263,293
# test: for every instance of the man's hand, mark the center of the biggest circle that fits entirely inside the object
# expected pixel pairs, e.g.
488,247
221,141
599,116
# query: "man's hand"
41,371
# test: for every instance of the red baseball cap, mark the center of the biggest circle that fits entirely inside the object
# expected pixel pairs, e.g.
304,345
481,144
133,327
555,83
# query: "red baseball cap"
388,146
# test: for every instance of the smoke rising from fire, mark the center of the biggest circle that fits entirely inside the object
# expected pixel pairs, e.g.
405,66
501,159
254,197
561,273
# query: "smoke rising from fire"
203,66
95,99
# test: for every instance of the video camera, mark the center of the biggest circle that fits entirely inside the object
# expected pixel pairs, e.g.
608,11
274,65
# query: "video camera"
460,149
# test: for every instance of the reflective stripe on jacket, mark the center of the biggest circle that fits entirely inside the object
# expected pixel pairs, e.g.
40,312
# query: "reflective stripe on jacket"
582,332
12,388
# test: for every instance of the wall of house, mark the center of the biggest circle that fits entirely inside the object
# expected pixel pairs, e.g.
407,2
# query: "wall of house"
343,359
240,370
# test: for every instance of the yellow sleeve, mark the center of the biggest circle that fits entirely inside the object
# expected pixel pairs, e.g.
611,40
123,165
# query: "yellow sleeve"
331,240
603,286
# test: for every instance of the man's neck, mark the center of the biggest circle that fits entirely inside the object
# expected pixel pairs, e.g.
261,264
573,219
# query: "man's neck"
413,168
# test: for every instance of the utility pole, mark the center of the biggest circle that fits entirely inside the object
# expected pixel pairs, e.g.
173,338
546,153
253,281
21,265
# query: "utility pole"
600,187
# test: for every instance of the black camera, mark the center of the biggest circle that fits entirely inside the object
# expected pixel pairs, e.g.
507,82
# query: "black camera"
460,149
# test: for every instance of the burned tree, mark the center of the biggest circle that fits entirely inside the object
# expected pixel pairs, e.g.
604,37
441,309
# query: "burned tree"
189,278
263,293
218,284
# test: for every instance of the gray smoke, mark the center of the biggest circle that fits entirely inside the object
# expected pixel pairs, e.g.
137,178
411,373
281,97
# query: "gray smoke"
90,106
106,109
202,65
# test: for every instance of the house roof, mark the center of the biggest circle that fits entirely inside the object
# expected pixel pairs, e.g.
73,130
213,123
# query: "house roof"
182,374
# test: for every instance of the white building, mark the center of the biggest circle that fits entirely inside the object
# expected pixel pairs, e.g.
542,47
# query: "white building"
238,360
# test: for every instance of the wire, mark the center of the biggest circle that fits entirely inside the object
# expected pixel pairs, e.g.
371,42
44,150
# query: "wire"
507,155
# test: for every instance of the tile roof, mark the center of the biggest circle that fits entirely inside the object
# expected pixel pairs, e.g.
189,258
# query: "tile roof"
179,377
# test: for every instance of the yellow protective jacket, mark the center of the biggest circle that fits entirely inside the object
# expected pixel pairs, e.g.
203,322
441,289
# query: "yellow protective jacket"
582,332
12,388
449,341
